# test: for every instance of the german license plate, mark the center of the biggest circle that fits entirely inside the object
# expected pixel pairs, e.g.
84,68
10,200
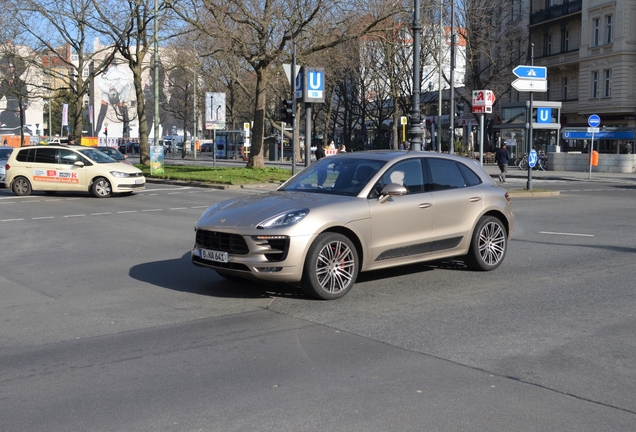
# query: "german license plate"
212,255
139,181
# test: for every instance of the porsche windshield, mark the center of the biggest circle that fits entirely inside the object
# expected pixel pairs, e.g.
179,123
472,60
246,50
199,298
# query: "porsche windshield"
334,175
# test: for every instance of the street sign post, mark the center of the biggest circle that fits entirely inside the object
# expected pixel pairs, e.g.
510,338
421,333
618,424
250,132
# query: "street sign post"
532,158
530,85
594,121
531,72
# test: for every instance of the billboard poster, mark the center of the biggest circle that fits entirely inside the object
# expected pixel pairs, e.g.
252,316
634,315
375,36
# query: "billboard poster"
115,106
214,110
14,91
156,160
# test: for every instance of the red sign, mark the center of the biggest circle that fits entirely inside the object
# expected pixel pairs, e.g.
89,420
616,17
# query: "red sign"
483,98
482,109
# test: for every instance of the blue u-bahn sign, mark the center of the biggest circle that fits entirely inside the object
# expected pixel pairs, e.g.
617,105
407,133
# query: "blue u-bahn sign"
310,85
615,135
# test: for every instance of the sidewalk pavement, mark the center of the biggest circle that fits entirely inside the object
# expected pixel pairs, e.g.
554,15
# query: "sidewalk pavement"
516,173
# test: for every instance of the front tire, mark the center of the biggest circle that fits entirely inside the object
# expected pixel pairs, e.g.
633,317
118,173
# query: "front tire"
488,245
331,267
101,188
21,186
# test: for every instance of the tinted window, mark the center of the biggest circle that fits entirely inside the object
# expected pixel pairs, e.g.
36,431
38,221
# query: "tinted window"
470,177
407,173
5,153
26,155
444,174
45,155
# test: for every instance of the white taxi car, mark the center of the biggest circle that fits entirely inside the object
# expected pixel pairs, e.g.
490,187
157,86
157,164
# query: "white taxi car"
53,168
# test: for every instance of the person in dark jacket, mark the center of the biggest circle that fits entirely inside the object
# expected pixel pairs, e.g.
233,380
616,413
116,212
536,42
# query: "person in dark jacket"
502,157
320,152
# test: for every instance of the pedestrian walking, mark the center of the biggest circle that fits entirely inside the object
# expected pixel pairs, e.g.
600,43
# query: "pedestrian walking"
343,148
502,157
320,152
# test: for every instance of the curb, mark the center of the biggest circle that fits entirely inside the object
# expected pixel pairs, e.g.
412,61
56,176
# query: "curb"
520,194
271,186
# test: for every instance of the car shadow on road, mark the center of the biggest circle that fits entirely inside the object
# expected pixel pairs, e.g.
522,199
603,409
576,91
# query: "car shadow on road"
444,264
181,275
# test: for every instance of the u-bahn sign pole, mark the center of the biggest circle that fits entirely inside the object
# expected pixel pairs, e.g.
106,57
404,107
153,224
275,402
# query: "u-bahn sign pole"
531,79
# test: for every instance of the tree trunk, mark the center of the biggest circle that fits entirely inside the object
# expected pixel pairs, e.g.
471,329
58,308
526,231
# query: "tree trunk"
256,159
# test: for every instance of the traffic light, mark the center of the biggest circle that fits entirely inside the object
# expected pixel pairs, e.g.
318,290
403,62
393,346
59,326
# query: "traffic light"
106,131
287,111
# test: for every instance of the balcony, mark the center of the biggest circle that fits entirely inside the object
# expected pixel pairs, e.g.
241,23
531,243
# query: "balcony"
556,11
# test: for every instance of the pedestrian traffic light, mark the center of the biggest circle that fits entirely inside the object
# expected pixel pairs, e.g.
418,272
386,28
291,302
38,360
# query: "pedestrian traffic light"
287,111
106,131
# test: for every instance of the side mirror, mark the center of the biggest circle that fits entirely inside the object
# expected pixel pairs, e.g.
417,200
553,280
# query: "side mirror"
391,190
79,164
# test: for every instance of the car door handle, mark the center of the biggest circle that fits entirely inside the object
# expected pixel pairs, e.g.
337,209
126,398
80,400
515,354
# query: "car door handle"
425,205
475,199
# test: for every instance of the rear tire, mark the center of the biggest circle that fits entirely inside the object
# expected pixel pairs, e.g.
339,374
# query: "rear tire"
21,186
488,245
101,188
331,267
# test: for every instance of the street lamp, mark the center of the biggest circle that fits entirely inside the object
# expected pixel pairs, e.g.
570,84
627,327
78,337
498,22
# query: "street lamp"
415,120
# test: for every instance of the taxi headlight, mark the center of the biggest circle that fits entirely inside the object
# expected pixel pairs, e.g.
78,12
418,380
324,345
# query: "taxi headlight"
118,174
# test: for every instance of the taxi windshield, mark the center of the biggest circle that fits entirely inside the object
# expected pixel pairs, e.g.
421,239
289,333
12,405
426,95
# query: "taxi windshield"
97,156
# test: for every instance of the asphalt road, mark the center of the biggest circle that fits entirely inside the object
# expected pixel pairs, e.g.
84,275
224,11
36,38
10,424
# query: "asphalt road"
106,326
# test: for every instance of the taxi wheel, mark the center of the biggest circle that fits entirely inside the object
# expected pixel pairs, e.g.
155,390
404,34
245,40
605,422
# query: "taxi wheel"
101,188
21,186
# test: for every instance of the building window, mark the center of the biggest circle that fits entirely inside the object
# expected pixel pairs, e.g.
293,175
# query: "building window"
608,29
566,41
596,25
594,94
607,84
564,86
549,45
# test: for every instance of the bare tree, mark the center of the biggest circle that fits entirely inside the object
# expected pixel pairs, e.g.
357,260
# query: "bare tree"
60,31
130,27
496,41
261,33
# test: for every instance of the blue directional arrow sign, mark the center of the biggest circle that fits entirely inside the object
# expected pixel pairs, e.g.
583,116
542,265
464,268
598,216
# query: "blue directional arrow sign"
531,72
594,120
532,158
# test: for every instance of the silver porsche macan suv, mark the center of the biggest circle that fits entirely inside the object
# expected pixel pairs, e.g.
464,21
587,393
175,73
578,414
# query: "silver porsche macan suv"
355,212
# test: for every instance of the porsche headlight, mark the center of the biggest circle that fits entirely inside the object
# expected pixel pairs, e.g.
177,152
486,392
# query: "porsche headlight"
118,174
284,219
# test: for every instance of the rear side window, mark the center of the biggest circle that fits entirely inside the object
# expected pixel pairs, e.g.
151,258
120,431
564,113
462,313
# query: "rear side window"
471,178
46,155
26,155
444,174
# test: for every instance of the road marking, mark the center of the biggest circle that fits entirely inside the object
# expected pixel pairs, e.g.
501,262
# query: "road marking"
178,208
75,215
152,210
32,201
43,217
10,220
99,214
127,211
203,206
566,234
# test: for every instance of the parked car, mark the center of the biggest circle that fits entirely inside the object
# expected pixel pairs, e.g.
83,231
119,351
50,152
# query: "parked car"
53,168
207,147
356,212
129,148
5,152
115,154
